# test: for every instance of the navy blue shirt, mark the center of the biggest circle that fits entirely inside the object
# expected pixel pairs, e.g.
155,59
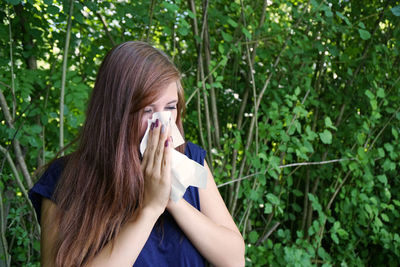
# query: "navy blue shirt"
167,245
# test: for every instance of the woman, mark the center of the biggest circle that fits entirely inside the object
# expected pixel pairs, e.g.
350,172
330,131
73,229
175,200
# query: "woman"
104,205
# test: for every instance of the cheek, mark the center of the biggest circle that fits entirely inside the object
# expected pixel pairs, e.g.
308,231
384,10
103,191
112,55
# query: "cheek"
174,114
143,126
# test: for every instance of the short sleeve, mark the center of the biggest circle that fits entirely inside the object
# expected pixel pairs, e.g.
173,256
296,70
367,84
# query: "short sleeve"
195,153
198,154
46,185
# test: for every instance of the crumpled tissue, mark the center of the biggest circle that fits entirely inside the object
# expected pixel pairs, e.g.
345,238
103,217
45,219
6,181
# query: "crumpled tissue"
184,171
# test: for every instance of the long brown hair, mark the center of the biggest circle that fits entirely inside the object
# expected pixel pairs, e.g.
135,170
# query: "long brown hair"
102,185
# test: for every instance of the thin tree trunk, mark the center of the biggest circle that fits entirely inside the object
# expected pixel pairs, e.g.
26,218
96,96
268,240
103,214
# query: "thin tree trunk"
4,245
64,74
201,77
151,12
213,99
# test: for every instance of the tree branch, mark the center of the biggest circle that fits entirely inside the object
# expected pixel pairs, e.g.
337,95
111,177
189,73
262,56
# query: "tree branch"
265,237
106,29
17,147
19,183
287,166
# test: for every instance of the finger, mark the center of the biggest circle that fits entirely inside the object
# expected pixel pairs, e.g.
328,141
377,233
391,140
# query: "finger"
158,156
166,161
152,143
146,151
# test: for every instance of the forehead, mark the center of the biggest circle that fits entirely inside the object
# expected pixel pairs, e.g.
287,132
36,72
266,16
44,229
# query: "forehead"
167,94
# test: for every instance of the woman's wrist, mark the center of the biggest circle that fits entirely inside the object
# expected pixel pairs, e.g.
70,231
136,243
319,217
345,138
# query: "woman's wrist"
150,213
174,207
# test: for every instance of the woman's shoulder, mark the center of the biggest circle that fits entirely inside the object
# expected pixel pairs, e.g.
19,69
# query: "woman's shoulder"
46,184
195,152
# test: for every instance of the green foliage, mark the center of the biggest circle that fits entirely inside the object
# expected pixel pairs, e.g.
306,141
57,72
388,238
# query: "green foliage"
307,160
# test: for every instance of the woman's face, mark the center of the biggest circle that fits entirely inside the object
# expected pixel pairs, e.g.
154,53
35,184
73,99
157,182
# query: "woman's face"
166,101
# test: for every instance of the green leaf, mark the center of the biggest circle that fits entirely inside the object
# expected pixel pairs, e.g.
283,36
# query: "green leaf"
329,124
381,152
263,156
183,30
395,133
328,13
232,23
254,195
314,202
267,208
388,147
326,137
382,178
335,238
349,71
190,14
396,202
221,48
343,17
170,7
14,2
311,135
388,165
227,37
167,30
380,93
36,245
273,199
364,34
297,193
53,10
396,11
297,91
361,153
342,233
36,129
369,94
253,236
385,217
273,174
246,33
32,141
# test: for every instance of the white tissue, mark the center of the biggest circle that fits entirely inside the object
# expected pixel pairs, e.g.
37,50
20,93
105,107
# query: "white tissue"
184,171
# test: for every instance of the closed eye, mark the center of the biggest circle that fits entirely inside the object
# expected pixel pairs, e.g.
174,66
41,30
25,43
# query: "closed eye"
170,108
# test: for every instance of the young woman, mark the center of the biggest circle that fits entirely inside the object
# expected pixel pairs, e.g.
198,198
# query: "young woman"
106,205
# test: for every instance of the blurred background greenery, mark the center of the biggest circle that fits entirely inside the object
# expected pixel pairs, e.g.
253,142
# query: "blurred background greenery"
297,103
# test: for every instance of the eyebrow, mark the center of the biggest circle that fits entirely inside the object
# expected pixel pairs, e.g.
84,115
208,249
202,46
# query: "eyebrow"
169,103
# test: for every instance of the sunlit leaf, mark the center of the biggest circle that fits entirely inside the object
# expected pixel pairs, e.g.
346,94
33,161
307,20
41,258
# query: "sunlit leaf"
364,34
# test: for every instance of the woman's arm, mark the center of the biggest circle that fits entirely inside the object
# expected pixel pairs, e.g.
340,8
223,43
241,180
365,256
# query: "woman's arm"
127,244
212,231
130,240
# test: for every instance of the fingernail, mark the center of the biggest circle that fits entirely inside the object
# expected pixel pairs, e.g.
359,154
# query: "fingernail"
152,126
156,123
162,128
166,143
172,140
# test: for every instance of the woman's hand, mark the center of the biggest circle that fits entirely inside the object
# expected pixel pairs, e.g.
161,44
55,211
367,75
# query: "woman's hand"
156,168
